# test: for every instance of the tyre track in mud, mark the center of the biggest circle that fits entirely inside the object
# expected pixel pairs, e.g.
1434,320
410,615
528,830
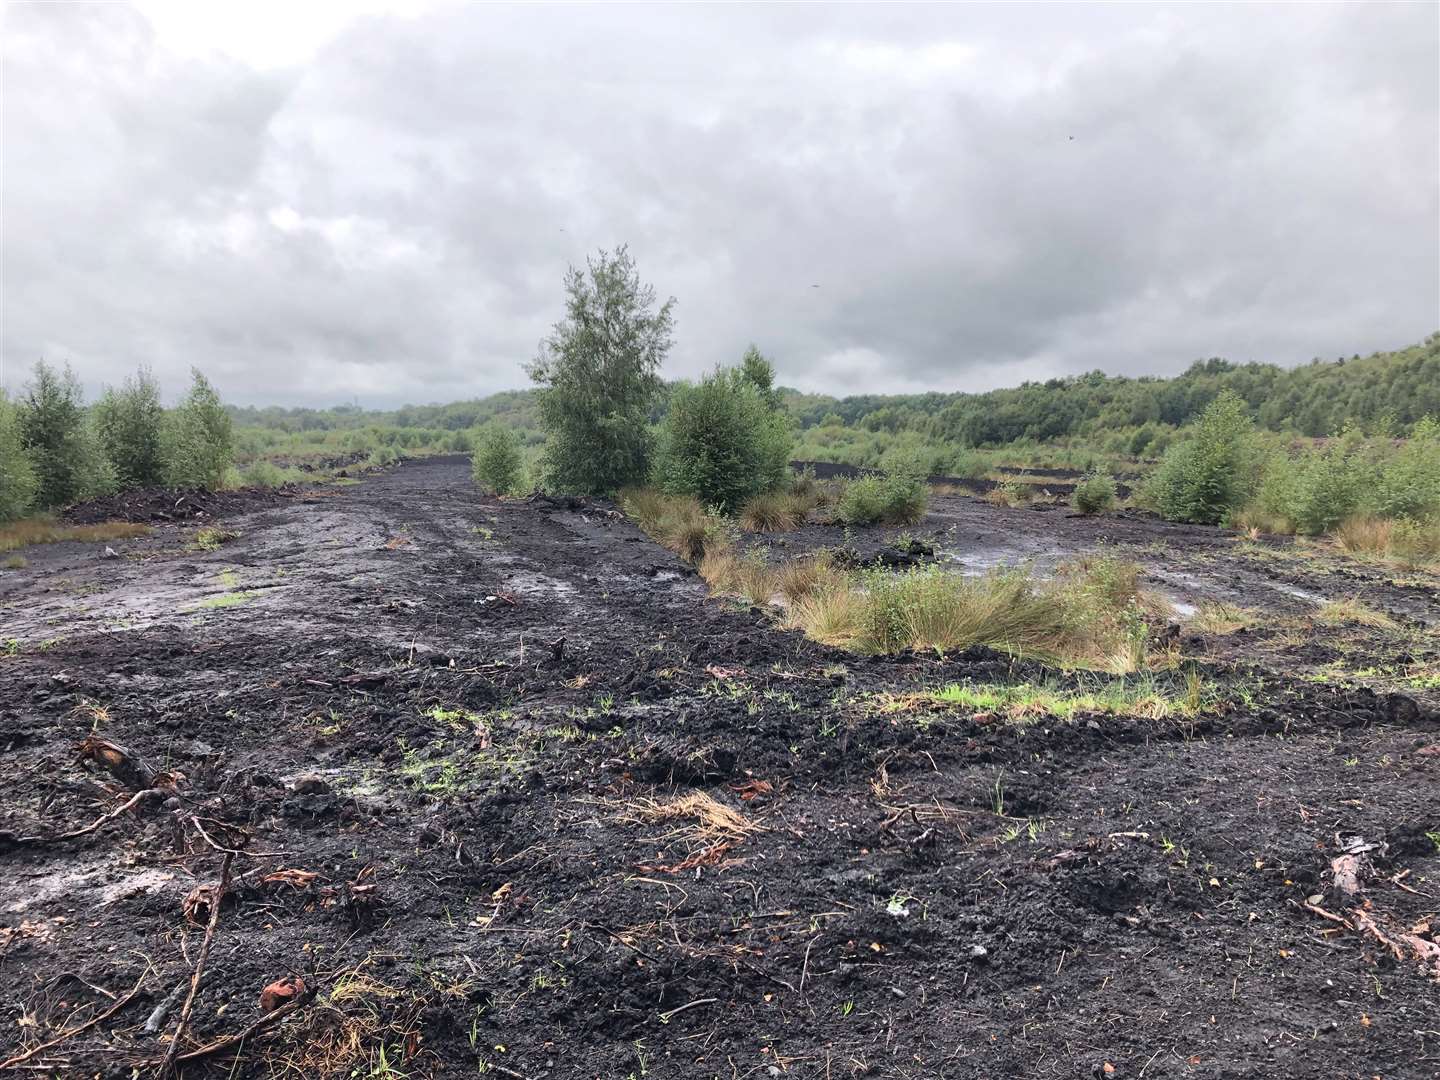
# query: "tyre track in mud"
957,897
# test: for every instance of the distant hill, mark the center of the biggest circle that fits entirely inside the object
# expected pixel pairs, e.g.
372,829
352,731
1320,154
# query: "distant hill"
1389,388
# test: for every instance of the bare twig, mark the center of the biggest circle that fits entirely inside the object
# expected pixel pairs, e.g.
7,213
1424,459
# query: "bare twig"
228,851
168,1064
18,1059
665,1016
102,820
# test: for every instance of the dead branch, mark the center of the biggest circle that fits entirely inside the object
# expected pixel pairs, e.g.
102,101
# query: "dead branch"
19,1059
102,820
168,1064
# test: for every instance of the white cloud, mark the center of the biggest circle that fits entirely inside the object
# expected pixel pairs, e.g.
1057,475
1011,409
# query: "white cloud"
316,201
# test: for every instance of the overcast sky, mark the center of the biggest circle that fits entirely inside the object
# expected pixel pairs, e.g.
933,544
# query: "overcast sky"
318,203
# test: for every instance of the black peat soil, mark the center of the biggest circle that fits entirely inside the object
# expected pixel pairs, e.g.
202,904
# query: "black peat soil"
462,727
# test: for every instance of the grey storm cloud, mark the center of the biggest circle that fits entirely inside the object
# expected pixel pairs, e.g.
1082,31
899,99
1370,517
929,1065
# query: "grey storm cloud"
982,194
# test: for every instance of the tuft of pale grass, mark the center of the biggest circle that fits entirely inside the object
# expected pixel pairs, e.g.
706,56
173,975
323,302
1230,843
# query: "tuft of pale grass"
1089,615
677,522
1353,612
829,614
774,511
19,534
796,579
1365,535
1253,520
697,817
1221,618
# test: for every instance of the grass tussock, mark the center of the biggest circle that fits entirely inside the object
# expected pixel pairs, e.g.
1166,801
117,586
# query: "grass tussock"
1221,618
1352,612
1089,615
774,511
677,522
1410,543
14,562
211,538
19,534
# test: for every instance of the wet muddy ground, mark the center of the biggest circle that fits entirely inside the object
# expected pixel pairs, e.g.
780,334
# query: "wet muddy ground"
443,736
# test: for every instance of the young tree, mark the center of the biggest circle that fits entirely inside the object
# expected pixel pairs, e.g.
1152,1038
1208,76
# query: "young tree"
52,430
17,477
128,422
199,442
1214,471
721,441
599,372
760,373
496,462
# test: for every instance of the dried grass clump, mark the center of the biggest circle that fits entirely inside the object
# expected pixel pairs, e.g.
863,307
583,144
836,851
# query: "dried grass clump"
1090,614
1365,535
18,534
1222,618
677,522
774,511
697,818
1353,612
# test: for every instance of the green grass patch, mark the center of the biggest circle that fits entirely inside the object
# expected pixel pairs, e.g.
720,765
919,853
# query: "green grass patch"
1025,703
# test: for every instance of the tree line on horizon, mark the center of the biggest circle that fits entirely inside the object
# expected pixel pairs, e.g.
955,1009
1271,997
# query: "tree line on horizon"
1384,393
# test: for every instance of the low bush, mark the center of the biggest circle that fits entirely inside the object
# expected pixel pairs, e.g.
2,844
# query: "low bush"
268,474
1095,493
497,462
1409,482
722,442
17,476
1331,485
1010,493
895,498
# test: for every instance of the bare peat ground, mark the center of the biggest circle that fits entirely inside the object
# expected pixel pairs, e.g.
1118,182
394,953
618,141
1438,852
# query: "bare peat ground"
449,839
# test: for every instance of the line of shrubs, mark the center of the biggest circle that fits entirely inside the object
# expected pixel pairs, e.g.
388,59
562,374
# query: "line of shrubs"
55,450
1374,494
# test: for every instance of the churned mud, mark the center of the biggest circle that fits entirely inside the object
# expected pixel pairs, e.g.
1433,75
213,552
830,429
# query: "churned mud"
499,789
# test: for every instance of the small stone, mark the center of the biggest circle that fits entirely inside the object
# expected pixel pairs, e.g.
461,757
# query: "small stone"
109,553
979,952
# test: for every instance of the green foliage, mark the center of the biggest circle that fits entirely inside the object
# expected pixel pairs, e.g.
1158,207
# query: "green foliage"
1331,484
497,461
599,376
721,442
199,439
894,498
17,476
1409,484
1094,493
760,373
1314,399
60,444
129,423
1210,474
